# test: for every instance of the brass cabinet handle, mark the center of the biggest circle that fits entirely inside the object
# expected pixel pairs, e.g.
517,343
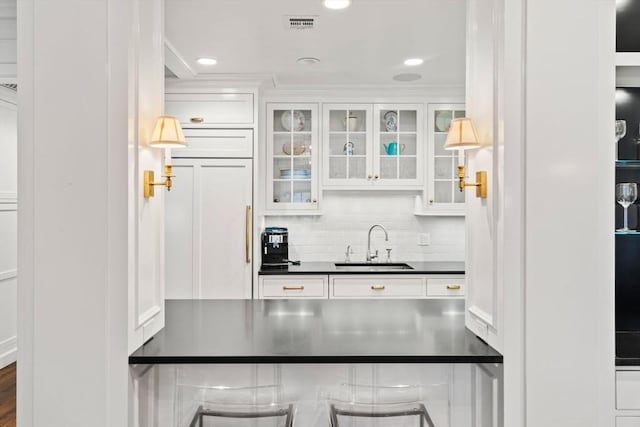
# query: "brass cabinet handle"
377,287
370,177
197,119
293,288
376,177
247,230
453,287
314,201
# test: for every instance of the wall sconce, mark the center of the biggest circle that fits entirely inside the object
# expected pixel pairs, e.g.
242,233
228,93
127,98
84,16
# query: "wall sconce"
462,136
167,133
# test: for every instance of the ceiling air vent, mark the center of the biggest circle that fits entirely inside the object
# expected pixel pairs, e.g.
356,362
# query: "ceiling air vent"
11,86
308,22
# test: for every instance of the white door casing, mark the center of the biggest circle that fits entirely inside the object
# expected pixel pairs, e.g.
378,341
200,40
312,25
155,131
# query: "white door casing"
484,216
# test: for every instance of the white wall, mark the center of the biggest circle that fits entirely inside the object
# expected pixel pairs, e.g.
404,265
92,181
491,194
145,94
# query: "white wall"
86,107
542,247
8,45
347,217
8,225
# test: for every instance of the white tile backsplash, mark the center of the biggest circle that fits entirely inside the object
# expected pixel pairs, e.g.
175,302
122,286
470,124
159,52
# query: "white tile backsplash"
346,221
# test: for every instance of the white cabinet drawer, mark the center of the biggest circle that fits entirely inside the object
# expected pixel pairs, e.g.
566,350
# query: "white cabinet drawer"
446,287
210,109
207,143
377,287
628,389
293,287
627,421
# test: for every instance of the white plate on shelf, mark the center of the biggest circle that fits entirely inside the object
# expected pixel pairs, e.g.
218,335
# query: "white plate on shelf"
298,120
391,121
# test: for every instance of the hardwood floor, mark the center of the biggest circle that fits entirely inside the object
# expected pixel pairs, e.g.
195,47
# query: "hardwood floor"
8,396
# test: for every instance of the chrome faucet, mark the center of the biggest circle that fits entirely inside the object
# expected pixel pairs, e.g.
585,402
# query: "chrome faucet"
371,257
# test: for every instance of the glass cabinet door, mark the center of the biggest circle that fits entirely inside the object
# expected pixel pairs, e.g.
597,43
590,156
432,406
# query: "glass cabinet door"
291,156
347,139
398,151
443,191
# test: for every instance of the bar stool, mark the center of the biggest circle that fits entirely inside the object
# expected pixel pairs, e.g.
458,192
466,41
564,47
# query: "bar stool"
286,413
255,406
352,404
419,410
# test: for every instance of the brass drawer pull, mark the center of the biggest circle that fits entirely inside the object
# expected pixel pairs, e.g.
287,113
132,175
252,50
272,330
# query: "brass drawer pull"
453,287
197,119
377,287
247,234
293,288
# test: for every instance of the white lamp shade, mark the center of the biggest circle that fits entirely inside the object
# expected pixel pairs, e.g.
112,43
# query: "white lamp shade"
167,133
462,135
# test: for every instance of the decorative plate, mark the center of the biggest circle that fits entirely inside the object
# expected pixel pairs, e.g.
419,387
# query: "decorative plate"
391,121
298,120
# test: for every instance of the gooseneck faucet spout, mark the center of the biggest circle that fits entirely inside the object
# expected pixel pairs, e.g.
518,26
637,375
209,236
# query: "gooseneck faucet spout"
370,256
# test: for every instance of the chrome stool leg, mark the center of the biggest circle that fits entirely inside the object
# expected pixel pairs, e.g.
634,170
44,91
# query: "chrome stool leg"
420,411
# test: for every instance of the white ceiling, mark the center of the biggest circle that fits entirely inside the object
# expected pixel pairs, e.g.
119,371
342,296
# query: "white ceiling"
365,44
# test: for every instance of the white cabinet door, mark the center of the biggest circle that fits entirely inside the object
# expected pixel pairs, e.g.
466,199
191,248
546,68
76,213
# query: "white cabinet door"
628,390
292,158
398,148
627,421
211,109
208,229
347,145
377,286
293,286
219,143
443,194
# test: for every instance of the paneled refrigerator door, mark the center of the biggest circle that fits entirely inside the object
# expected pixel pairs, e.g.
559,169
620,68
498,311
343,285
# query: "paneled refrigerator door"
209,229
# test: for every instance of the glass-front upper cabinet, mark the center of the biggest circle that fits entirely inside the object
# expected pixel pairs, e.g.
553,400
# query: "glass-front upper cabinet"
398,152
292,157
443,193
347,140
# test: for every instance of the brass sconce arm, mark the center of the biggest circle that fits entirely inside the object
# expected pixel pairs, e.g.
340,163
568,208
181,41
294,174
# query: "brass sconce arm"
480,184
149,184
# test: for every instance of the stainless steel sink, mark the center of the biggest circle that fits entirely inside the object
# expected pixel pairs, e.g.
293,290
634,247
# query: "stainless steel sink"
354,266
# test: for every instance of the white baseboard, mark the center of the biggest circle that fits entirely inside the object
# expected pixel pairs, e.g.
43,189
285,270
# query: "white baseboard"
8,352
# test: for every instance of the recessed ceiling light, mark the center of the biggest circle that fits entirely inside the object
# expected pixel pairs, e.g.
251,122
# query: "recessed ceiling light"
407,77
412,62
307,60
336,4
207,61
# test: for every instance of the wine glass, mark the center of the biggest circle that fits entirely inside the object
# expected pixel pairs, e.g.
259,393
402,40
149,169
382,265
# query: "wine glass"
626,195
621,131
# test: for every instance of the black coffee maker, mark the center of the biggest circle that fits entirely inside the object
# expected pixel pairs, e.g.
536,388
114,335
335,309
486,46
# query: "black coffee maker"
275,247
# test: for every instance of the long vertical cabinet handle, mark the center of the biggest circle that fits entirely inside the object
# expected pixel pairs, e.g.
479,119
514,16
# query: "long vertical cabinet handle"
247,229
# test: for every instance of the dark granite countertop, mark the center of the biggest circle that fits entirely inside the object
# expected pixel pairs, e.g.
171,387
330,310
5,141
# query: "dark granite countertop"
628,348
444,267
315,331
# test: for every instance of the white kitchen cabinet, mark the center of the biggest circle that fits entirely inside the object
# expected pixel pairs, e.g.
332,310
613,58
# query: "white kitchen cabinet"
628,389
292,158
208,110
221,143
373,146
449,287
377,286
209,229
341,286
398,150
442,194
347,138
291,286
627,421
